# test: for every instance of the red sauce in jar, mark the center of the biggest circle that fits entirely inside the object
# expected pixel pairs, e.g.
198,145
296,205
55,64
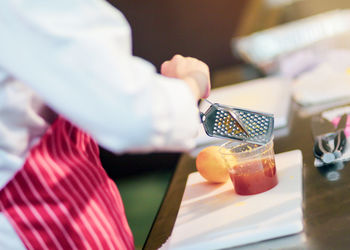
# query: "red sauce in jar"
253,177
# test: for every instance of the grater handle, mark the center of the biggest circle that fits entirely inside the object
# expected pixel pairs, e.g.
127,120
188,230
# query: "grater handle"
202,116
211,103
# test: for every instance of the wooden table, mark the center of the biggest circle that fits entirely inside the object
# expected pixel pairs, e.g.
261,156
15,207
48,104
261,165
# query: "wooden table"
326,202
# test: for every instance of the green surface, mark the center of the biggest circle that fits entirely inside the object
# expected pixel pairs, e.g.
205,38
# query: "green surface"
142,196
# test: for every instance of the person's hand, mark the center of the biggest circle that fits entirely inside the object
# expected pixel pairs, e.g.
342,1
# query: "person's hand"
193,71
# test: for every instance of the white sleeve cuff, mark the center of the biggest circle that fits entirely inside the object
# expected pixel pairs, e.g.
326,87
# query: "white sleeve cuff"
182,116
175,116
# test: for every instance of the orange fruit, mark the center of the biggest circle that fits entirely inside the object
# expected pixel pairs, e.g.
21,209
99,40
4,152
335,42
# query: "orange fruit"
211,164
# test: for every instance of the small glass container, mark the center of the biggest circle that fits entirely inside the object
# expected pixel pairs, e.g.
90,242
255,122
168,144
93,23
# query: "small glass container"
252,167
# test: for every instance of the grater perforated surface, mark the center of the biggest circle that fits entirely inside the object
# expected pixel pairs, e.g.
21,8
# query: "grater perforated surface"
227,122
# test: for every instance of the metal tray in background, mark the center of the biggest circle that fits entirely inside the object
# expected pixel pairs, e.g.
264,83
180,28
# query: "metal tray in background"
263,48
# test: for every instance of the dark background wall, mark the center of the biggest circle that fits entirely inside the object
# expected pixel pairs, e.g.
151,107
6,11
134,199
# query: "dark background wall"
198,28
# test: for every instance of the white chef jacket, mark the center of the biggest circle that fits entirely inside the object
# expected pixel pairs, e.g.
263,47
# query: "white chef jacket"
75,57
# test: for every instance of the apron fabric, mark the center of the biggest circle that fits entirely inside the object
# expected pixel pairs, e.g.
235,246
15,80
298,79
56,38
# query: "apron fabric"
63,199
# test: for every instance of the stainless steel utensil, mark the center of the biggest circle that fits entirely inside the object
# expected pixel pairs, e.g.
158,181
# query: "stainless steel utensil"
238,124
330,141
340,139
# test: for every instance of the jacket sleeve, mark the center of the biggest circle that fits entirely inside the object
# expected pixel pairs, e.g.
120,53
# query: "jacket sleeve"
77,56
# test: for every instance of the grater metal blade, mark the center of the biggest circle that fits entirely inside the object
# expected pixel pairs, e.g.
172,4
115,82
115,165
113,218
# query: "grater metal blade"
228,122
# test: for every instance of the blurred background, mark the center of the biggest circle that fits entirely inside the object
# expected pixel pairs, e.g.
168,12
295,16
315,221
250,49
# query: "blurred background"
207,30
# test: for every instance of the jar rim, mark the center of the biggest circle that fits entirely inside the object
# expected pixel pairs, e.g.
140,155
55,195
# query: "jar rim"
254,148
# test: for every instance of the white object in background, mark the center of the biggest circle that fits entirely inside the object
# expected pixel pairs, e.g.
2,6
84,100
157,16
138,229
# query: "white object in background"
329,81
269,95
263,48
280,3
213,216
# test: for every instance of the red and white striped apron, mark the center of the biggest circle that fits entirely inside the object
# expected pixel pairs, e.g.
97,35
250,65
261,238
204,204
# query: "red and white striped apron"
63,199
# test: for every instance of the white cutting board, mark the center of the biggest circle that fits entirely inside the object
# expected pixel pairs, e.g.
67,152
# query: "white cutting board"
213,216
269,95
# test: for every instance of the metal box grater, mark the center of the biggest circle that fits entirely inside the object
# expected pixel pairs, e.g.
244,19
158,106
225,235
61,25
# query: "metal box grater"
238,124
